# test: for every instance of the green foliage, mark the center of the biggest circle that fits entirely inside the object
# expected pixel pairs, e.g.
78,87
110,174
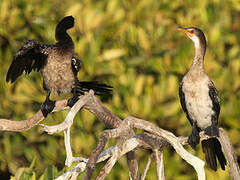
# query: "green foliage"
133,45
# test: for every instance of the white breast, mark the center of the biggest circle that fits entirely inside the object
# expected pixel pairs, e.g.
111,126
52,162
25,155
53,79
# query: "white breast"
198,101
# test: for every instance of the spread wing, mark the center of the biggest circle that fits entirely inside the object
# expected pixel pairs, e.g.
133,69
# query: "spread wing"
183,103
31,56
215,101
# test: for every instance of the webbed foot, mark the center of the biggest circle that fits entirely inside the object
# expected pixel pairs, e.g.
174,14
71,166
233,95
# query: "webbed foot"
47,107
194,138
72,101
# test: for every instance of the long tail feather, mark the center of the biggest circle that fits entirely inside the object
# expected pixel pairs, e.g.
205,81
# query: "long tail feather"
98,88
213,150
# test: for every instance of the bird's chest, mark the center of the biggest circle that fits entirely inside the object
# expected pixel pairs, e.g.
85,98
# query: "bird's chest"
198,102
57,73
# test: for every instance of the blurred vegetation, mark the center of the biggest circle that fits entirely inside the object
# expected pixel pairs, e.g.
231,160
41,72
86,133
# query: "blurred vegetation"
132,45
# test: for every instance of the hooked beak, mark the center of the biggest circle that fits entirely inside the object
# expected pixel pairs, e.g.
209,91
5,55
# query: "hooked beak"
185,31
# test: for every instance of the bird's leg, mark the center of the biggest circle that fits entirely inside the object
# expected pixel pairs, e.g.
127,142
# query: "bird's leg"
74,99
212,130
194,138
47,106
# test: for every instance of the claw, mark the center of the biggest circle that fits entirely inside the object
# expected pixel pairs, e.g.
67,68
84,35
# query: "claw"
194,138
47,107
72,101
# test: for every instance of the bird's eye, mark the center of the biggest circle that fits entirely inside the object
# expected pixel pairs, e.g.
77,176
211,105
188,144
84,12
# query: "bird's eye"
192,31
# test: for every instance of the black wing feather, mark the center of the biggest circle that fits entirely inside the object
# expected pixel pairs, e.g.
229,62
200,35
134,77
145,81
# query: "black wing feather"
215,101
183,103
97,87
31,56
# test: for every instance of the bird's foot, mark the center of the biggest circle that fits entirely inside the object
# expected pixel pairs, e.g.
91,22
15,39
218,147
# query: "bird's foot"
47,107
72,101
193,139
212,130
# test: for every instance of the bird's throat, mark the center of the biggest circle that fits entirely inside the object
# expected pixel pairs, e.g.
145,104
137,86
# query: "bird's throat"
198,61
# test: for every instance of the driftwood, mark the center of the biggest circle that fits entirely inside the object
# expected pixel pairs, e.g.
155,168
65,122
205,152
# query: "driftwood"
154,138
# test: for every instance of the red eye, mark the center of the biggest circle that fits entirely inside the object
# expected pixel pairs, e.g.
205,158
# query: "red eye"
192,31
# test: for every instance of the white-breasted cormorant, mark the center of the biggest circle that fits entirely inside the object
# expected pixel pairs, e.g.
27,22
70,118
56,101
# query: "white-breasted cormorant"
200,102
57,64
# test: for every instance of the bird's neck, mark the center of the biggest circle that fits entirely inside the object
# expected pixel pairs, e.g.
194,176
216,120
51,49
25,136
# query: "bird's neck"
63,38
198,61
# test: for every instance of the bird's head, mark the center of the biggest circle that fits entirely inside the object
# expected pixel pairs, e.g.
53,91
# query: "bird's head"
65,24
196,35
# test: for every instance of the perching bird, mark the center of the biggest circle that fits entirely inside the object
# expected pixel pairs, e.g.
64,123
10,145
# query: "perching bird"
200,102
57,64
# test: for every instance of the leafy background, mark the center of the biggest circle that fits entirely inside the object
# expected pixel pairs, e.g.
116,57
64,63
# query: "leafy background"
133,45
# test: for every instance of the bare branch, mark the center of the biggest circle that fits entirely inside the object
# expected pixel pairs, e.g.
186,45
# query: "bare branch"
18,126
129,145
147,167
73,173
67,123
95,106
229,152
132,122
70,159
108,166
159,164
155,139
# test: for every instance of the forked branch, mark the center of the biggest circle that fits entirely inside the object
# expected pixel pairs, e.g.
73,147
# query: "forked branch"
154,139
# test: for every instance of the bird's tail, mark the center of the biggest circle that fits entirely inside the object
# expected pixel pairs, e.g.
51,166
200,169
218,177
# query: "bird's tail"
213,150
98,88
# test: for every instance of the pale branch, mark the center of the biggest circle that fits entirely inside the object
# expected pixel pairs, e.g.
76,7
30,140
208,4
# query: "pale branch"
143,140
129,145
132,122
19,126
94,105
159,164
73,173
230,155
70,159
121,150
127,141
172,139
108,166
147,167
67,123
119,132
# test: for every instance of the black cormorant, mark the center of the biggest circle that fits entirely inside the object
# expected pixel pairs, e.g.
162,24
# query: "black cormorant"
57,64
